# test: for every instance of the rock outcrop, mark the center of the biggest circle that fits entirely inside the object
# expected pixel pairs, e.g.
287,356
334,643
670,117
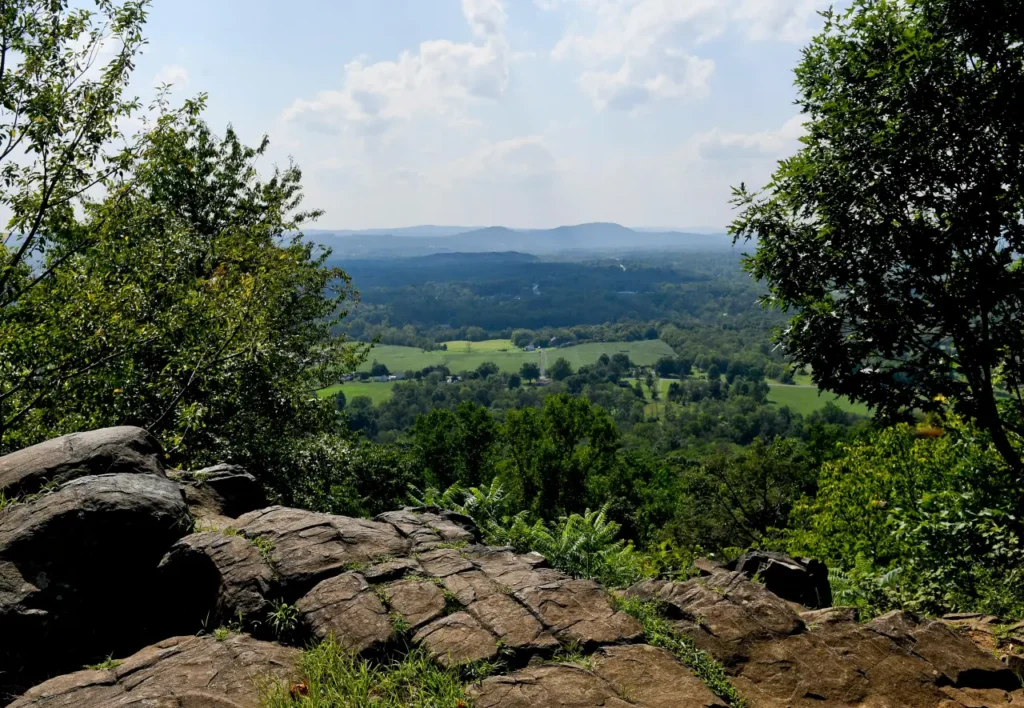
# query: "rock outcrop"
636,675
775,657
135,562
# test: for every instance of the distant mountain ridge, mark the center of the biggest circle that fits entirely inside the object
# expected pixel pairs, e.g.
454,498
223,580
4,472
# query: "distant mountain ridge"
426,240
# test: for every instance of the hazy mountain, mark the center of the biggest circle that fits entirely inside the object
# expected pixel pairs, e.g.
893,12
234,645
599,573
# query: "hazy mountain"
424,240
427,230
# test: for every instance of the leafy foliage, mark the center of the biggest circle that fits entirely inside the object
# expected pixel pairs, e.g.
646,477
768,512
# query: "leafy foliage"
896,231
582,545
918,522
196,312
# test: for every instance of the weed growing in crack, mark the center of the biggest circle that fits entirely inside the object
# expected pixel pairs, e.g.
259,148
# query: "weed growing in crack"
109,663
659,632
332,676
283,619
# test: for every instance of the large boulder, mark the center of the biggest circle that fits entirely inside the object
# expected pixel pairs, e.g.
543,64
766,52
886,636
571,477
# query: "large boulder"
78,571
803,581
181,672
125,450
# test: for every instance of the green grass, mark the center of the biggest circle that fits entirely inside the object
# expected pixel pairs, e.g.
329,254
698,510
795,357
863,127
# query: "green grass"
805,399
334,678
378,392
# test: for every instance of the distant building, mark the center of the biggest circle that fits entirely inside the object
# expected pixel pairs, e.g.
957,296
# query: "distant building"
396,377
529,348
380,379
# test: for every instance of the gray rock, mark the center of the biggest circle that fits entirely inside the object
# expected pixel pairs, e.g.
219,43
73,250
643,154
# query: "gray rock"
122,450
221,492
457,639
78,571
417,601
800,580
580,611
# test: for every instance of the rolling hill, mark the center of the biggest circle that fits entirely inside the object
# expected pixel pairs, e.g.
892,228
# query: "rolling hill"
425,240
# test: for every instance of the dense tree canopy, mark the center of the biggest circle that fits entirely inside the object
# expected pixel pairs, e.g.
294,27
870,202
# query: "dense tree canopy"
895,232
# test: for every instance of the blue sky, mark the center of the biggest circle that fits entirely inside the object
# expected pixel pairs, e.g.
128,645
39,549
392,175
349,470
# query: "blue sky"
526,113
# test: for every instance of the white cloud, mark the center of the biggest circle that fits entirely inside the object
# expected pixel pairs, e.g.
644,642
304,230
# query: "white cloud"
781,20
719,145
642,40
172,74
520,159
678,75
443,78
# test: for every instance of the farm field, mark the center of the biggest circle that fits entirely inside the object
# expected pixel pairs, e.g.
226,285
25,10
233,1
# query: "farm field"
805,399
378,392
801,399
466,356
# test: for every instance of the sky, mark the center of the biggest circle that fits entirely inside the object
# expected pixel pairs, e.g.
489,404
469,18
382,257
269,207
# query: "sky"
522,113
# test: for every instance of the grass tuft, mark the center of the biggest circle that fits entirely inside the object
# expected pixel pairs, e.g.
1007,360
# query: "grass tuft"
106,665
333,678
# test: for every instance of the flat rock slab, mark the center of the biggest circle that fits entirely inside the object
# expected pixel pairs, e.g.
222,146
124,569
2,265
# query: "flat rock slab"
124,450
192,672
429,529
580,611
417,601
346,608
513,570
649,676
389,570
457,639
305,547
444,562
553,686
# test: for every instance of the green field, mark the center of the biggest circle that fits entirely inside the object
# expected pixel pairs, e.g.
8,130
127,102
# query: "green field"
378,392
801,399
466,356
805,399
